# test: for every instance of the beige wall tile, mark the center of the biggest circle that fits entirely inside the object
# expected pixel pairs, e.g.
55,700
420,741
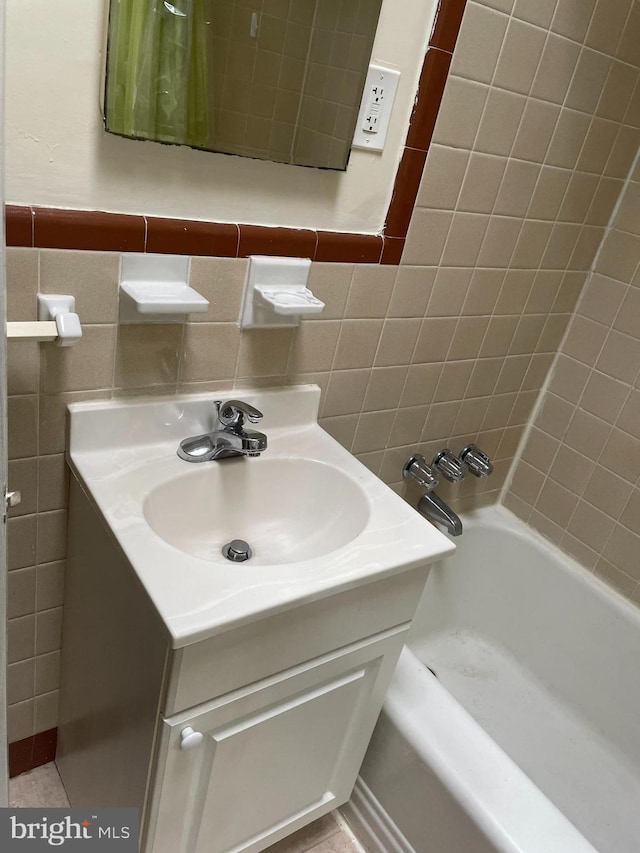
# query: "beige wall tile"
86,366
263,352
620,357
481,183
50,585
608,492
500,122
210,351
499,241
21,542
420,384
313,346
449,292
21,638
23,478
48,630
442,178
346,392
221,281
479,43
342,428
22,283
20,681
536,130
588,82
46,711
538,12
370,291
23,367
53,483
484,289
517,187
587,434
572,18
330,283
426,237
607,25
556,503
465,240
373,431
20,721
52,536
622,550
557,66
397,342
147,355
21,593
47,673
520,57
23,426
412,291
460,113
385,387
357,344
568,139
91,277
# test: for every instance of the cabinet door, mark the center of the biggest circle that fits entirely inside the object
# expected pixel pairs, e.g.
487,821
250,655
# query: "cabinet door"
274,755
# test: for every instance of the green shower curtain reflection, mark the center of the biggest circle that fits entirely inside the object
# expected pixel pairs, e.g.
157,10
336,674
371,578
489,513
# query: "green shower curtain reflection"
157,71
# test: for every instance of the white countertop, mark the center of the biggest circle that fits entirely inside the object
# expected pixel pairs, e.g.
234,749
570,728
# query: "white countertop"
121,450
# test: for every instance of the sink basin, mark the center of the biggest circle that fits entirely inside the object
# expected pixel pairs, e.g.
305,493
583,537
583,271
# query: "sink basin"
316,520
288,510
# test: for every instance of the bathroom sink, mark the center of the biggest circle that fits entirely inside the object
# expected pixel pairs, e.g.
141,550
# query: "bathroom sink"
286,509
316,520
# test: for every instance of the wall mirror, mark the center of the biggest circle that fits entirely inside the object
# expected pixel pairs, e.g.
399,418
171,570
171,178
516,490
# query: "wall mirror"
277,80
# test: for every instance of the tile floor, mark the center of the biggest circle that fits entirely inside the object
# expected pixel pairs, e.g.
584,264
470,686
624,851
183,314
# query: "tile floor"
43,787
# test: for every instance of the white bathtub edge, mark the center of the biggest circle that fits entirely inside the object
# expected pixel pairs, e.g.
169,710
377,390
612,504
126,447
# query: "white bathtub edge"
504,803
371,824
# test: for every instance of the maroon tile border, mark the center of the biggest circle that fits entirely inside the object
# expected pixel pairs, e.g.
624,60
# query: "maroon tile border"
286,242
338,247
32,752
53,228
88,229
405,192
447,24
189,237
433,78
19,225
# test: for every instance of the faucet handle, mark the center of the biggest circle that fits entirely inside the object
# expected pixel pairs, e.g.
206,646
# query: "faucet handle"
417,468
233,412
449,466
476,461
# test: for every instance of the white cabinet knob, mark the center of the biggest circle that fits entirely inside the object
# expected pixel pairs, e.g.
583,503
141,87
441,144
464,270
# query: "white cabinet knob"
190,739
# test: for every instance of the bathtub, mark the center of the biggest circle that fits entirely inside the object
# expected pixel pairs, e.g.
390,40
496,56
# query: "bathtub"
513,719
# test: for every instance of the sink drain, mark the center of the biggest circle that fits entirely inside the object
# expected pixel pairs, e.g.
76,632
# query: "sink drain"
237,551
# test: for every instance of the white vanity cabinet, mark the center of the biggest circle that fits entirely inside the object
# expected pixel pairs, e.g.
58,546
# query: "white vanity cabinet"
232,703
285,705
273,755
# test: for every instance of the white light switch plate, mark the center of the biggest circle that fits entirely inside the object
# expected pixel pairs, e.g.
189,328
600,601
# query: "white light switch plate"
375,111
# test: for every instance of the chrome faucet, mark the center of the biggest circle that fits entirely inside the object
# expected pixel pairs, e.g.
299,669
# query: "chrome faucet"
430,505
228,437
476,461
433,507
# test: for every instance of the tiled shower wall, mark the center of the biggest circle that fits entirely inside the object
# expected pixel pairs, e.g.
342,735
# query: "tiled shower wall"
578,481
538,127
